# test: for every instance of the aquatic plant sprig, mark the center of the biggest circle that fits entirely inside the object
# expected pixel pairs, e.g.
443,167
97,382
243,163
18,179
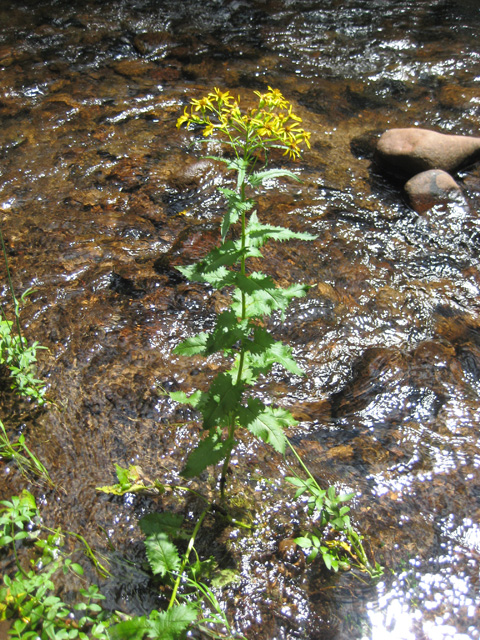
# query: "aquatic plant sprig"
15,353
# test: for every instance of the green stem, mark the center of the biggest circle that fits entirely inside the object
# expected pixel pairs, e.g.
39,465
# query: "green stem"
17,559
191,542
352,535
300,461
226,462
231,429
87,549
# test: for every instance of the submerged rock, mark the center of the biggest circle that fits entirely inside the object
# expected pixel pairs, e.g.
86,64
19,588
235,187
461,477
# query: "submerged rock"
430,188
409,151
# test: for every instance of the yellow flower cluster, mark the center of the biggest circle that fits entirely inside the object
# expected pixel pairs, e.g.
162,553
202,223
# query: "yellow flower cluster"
270,124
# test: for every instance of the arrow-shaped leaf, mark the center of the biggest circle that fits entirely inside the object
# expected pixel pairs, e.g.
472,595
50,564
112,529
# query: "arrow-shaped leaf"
209,451
258,233
221,400
256,179
266,423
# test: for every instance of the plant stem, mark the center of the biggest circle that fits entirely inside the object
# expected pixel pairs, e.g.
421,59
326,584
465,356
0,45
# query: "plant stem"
191,542
231,429
226,462
300,461
351,534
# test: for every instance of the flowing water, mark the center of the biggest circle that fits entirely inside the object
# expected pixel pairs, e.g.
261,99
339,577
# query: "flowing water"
101,196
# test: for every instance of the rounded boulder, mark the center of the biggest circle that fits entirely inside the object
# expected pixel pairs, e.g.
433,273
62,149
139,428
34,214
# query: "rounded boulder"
431,188
405,152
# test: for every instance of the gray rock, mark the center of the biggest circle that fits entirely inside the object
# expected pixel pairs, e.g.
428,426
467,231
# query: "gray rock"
406,152
430,188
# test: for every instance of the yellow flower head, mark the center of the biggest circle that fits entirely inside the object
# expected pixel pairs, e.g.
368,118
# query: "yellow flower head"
272,123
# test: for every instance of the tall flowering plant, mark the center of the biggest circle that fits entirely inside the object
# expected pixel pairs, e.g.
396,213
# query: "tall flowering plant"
250,350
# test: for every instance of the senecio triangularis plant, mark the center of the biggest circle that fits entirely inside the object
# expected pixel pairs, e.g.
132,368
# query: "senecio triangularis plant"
240,331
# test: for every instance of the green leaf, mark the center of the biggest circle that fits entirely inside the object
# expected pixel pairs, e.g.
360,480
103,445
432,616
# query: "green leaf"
258,233
225,577
282,354
266,423
27,500
236,206
262,295
165,522
227,332
162,554
264,352
304,542
220,401
240,165
213,268
77,568
195,399
167,625
327,558
192,346
209,451
122,476
133,629
256,179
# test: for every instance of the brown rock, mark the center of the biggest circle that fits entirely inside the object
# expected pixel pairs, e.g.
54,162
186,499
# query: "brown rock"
409,151
132,68
430,188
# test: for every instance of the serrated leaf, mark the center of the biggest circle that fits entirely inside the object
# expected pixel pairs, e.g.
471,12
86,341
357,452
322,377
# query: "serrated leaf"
209,451
164,522
194,399
266,423
282,354
228,331
262,296
192,346
213,268
236,206
162,554
133,629
258,233
220,401
264,352
256,179
167,625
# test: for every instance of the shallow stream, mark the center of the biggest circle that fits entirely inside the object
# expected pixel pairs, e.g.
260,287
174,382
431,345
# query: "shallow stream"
101,196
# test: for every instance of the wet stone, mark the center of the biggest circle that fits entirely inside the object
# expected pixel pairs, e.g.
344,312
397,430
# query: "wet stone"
410,151
431,188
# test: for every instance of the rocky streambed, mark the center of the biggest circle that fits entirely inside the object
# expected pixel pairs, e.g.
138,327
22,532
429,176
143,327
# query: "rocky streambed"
101,197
